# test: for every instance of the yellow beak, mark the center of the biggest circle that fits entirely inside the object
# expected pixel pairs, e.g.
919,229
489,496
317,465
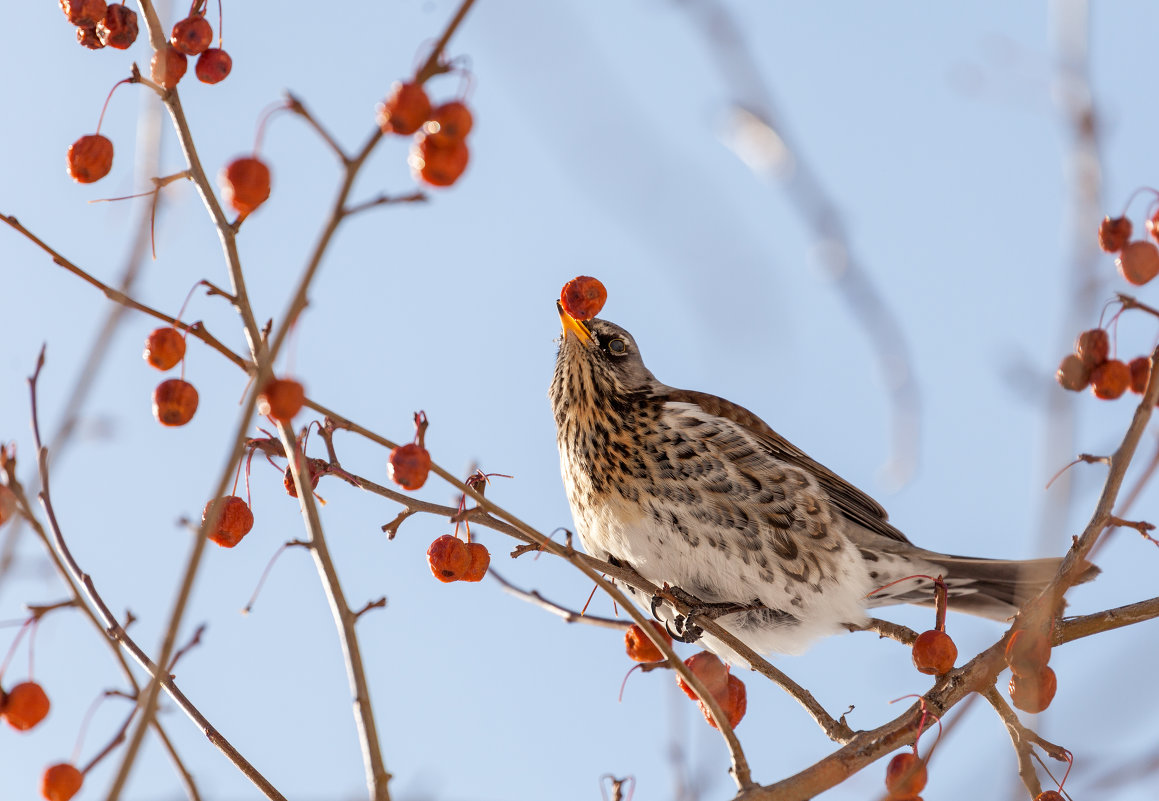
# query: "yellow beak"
573,326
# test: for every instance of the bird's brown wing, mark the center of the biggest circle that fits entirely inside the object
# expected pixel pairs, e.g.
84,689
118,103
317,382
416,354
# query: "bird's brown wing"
853,503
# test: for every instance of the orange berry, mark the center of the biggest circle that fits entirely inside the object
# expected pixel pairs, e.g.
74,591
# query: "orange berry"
934,652
448,124
733,702
1093,347
192,35
87,36
710,670
449,558
90,158
437,165
480,561
7,509
1073,374
61,782
1049,795
1110,379
1032,693
1027,652
26,705
1139,262
642,649
164,348
213,66
1114,233
245,184
905,775
583,297
83,12
1140,368
235,522
119,27
168,66
316,468
409,466
281,399
174,402
404,110
1152,226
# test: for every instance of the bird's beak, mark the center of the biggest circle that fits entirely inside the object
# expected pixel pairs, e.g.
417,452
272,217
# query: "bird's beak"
572,326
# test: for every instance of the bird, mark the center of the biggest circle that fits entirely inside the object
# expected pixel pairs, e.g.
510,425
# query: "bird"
698,494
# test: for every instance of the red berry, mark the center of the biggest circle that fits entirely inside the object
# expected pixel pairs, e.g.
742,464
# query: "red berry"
87,36
164,348
168,66
404,110
61,782
281,399
235,522
192,35
1114,233
1049,795
1139,262
316,469
437,165
642,649
26,705
1093,347
245,184
213,66
119,27
1110,379
1073,374
1033,693
934,652
448,124
480,561
905,776
449,558
83,12
1140,368
409,465
174,402
710,670
90,158
583,297
1027,652
733,702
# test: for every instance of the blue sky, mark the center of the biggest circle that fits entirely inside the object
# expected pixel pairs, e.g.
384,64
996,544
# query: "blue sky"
598,150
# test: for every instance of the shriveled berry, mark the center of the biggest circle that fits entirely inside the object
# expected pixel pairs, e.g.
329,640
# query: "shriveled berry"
1152,226
168,66
281,399
235,521
90,158
174,402
405,109
449,558
733,702
905,776
61,782
1049,795
1110,379
1033,692
119,27
710,670
583,297
1027,652
1073,374
213,66
642,649
7,509
87,36
1140,368
409,466
448,124
1139,262
316,468
934,653
192,35
1114,233
245,184
26,705
480,561
438,165
83,12
1093,346
164,348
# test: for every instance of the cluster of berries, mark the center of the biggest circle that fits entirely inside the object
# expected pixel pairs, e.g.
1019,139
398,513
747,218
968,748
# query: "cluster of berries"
174,400
439,154
24,707
99,25
1091,365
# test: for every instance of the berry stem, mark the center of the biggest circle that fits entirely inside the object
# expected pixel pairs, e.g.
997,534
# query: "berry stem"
105,107
942,602
219,24
15,643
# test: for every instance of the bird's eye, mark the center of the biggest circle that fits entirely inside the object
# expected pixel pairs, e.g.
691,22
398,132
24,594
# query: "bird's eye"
617,346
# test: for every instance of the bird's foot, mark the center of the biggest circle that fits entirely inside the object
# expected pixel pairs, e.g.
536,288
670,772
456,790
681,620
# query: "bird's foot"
683,627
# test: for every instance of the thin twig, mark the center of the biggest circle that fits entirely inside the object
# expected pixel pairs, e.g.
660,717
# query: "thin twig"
568,615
